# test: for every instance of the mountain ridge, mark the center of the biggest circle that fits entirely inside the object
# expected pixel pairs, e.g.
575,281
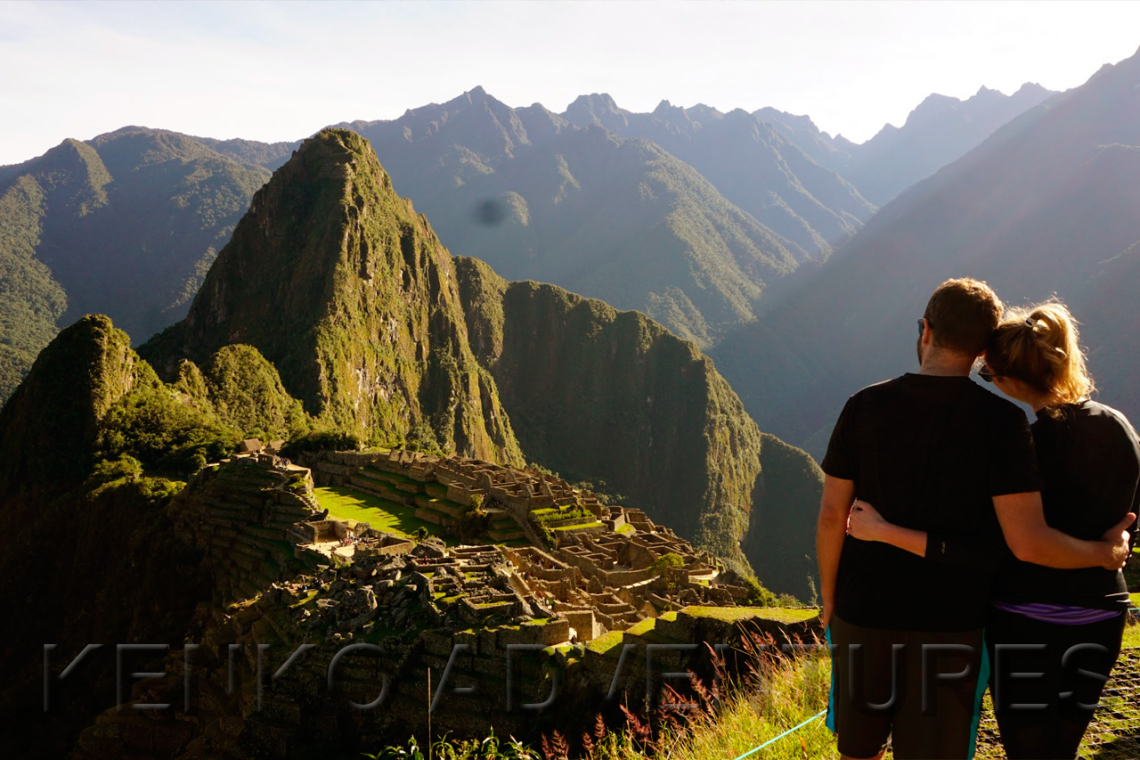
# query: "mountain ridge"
144,215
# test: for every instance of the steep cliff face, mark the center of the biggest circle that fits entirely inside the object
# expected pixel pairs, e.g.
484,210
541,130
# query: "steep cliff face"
606,395
351,296
781,534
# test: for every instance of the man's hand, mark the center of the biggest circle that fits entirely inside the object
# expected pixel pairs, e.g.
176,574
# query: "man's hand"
825,614
865,523
1117,543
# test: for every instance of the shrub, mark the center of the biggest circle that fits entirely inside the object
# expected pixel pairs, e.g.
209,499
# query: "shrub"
758,596
125,467
667,562
322,440
422,438
160,429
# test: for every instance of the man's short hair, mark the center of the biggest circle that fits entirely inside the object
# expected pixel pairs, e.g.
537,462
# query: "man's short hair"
963,313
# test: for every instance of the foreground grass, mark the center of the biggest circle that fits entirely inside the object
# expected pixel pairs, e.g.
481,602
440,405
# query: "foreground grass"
784,695
1131,637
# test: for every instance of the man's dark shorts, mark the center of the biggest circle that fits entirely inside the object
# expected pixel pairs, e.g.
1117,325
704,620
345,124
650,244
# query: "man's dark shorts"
918,689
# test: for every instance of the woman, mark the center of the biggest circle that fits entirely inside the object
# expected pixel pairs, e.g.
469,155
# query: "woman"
1053,635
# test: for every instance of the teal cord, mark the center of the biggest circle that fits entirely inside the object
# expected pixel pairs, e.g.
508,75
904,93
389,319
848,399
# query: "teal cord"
751,752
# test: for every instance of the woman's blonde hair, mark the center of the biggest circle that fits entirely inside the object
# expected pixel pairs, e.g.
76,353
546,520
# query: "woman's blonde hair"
1040,345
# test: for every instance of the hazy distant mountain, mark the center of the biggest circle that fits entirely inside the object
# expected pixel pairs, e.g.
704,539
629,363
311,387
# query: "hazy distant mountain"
939,131
126,224
611,218
1046,205
748,161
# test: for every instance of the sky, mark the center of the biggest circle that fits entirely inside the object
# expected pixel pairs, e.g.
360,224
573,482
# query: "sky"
282,70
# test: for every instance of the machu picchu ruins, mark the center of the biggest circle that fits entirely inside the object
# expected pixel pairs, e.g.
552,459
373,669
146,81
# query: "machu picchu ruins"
536,548
514,588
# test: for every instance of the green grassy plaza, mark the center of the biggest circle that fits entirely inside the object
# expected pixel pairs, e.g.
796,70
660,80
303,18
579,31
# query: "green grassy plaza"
347,504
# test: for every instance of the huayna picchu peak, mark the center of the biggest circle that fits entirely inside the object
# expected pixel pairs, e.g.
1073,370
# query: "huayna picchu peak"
351,296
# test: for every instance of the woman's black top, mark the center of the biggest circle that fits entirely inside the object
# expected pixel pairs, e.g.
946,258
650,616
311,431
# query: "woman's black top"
1089,460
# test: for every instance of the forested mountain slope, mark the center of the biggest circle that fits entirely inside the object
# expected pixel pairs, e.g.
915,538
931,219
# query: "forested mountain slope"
126,224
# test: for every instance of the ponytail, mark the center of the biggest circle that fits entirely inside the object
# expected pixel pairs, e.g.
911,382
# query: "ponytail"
1040,345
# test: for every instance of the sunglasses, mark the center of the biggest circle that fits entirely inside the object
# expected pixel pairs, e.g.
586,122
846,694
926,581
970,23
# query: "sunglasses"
922,323
986,375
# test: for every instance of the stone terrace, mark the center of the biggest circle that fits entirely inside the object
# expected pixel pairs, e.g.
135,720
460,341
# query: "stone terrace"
568,555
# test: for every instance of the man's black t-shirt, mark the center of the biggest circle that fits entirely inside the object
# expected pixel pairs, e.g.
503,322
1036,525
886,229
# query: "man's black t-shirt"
930,453
1090,465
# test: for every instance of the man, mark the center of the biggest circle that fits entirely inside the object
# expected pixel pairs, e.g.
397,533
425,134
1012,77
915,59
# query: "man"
931,451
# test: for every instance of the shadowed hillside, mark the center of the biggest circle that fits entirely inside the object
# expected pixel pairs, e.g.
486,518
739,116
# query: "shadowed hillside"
939,131
748,161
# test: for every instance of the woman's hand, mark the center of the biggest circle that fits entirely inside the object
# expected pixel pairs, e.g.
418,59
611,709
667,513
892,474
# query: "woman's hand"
865,523
1118,543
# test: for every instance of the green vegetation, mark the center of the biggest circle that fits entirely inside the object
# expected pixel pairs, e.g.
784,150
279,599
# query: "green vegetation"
1132,636
31,300
733,614
604,643
53,422
124,225
246,393
783,694
780,541
323,440
155,425
348,504
666,562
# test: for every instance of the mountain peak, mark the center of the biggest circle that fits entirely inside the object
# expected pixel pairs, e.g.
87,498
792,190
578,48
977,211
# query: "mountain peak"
476,96
51,421
348,292
703,112
597,102
1031,88
596,108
